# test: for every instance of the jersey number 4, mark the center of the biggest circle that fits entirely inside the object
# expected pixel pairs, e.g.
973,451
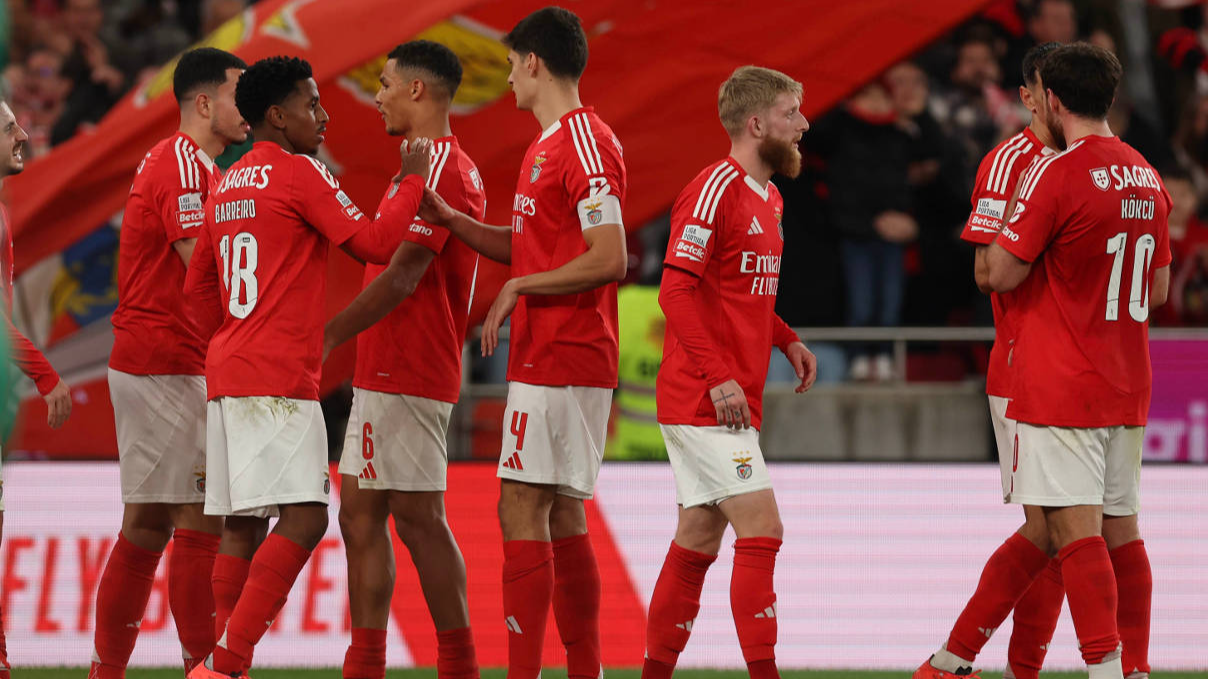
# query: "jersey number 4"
1138,295
239,271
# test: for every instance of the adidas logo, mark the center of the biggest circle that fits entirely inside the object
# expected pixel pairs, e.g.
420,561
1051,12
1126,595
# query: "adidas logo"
368,472
755,227
513,462
687,626
769,612
988,631
513,626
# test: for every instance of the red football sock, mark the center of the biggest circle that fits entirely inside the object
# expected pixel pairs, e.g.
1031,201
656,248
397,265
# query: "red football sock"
270,578
673,608
121,601
577,605
753,603
366,656
4,667
528,588
1035,619
455,658
230,573
1090,587
1134,587
190,593
1006,577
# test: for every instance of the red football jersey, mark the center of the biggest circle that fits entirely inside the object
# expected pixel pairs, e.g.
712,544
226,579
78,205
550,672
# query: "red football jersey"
997,177
1093,219
266,240
22,352
572,179
151,334
416,349
725,229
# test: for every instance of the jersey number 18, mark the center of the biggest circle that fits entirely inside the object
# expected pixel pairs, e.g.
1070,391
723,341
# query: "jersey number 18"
239,271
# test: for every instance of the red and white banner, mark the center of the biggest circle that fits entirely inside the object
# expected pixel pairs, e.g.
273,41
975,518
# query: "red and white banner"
877,562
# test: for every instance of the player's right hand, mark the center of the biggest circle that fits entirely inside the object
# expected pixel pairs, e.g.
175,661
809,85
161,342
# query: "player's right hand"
58,405
416,158
434,210
731,405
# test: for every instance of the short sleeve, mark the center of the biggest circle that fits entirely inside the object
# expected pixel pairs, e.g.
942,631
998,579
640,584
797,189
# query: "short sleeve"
179,192
595,176
320,201
1034,222
988,202
1162,255
420,232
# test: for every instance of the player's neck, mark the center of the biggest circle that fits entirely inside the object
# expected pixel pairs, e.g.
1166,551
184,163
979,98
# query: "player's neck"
1042,133
748,158
554,102
434,126
1079,128
199,131
272,134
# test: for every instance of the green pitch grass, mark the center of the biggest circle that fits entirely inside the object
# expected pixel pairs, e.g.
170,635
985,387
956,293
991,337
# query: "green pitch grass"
80,672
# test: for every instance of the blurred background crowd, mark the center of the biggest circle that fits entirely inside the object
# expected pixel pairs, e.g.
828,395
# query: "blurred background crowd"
871,224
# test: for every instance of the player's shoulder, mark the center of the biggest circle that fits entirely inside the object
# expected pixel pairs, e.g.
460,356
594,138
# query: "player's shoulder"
999,167
592,139
709,189
173,157
1052,170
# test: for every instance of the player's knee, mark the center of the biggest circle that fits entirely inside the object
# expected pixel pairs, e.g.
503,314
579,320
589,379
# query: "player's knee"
356,527
419,525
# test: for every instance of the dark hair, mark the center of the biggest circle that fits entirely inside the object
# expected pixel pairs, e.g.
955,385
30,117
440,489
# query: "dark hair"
434,59
1176,172
1038,6
1033,58
266,83
202,67
555,35
1083,77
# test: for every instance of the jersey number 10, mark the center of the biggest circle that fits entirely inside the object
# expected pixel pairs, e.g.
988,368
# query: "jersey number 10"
1138,295
239,271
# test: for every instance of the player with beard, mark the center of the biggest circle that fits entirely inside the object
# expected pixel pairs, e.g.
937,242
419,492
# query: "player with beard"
157,376
1024,557
718,292
256,283
566,247
1088,247
408,376
23,353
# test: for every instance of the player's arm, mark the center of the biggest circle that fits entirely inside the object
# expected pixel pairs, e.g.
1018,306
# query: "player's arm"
203,289
1159,292
184,248
1004,270
1034,221
377,242
990,207
35,366
492,242
381,296
805,364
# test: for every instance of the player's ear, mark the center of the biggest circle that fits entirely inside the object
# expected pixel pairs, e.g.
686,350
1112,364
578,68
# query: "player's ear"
203,104
275,116
418,87
755,126
530,63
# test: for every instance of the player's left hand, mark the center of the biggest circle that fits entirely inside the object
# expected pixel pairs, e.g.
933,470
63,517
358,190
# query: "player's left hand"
434,210
415,158
58,405
804,363
500,310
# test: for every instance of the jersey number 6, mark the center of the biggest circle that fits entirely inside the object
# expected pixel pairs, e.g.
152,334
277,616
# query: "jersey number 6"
239,271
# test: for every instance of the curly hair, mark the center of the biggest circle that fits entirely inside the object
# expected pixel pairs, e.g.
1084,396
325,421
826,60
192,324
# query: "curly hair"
266,83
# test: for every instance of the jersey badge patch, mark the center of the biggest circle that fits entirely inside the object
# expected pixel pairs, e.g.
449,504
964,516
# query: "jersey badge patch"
1100,177
594,214
536,171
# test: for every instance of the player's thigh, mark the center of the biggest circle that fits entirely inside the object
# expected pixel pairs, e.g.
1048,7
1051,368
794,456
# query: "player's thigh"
396,442
275,453
160,422
1120,530
1059,466
1004,441
754,515
1122,473
193,517
567,517
555,436
712,464
524,509
363,512
419,516
701,528
1071,523
147,525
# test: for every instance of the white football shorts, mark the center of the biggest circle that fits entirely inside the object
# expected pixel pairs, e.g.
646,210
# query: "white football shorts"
161,436
1067,466
1004,440
712,464
262,452
396,441
555,436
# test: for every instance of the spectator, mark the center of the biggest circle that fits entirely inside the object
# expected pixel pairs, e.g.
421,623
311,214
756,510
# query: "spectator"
1189,249
870,202
215,13
1053,21
97,83
1191,141
39,96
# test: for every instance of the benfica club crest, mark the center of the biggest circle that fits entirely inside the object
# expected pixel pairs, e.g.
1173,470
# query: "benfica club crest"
780,223
744,468
1100,177
594,214
536,171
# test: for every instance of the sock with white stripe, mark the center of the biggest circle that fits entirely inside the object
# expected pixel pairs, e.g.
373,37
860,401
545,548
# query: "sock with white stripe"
753,603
